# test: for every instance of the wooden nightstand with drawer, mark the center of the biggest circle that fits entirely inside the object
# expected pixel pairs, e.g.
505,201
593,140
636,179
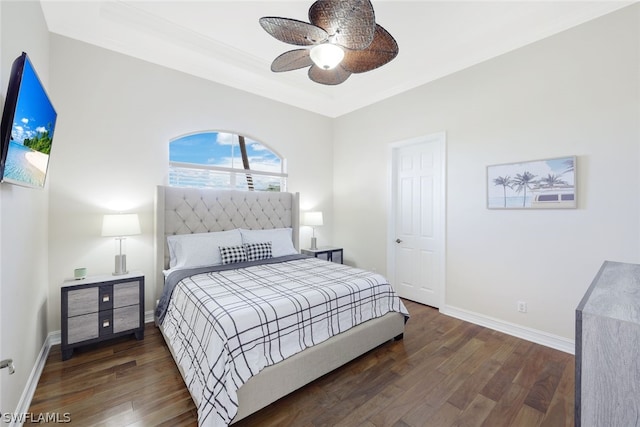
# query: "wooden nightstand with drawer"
99,308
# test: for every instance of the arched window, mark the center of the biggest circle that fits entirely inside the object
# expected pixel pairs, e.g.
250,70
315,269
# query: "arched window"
224,160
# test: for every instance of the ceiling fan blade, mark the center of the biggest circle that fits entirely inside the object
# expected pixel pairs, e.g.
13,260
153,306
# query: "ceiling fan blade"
293,31
352,21
382,49
334,76
291,60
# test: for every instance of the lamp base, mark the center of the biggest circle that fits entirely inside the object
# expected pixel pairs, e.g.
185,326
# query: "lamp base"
121,265
313,243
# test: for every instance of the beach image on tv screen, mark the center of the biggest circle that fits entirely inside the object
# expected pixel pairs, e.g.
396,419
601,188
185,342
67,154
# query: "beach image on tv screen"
31,132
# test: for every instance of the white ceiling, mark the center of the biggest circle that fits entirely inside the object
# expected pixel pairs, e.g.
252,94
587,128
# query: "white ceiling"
222,40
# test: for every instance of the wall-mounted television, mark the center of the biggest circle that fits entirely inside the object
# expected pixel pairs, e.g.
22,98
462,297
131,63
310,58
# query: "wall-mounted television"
27,127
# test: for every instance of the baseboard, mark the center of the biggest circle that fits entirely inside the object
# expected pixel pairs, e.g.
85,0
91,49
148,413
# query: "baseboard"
529,334
30,388
52,339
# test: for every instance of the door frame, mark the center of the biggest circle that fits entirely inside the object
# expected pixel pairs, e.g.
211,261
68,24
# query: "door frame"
439,138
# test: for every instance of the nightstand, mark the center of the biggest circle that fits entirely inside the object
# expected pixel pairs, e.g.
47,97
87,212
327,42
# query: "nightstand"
99,308
328,253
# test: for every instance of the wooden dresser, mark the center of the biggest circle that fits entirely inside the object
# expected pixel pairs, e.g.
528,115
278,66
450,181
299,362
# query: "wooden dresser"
99,308
608,349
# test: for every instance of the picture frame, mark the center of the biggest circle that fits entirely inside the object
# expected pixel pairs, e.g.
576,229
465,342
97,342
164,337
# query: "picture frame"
534,184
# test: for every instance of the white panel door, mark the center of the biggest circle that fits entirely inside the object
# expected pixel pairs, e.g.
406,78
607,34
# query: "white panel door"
418,225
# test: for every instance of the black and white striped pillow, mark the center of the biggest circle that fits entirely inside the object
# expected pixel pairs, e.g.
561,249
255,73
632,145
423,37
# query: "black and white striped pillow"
258,251
232,254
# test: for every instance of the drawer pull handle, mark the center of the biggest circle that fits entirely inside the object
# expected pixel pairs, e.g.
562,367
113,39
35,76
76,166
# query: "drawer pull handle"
105,323
106,298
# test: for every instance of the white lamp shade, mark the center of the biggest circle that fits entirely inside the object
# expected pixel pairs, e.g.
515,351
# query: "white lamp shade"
326,55
118,225
312,219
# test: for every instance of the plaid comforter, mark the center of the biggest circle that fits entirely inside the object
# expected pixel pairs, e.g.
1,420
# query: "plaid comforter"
225,326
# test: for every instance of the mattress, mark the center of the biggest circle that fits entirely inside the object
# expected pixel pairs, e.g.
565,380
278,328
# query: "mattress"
227,323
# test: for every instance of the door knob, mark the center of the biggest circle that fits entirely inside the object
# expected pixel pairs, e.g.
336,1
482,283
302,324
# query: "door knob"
398,241
8,363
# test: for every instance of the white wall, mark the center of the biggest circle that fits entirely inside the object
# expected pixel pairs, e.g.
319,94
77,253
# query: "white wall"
116,115
23,221
576,93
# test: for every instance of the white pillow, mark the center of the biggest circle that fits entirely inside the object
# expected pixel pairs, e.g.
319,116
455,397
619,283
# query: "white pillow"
280,238
194,250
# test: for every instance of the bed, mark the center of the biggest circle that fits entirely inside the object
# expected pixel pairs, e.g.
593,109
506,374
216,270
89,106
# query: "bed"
187,215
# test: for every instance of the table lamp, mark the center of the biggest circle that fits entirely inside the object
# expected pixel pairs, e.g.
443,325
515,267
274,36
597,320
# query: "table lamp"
120,226
313,220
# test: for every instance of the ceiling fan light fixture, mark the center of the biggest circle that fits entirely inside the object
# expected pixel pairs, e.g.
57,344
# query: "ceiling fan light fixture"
326,55
339,32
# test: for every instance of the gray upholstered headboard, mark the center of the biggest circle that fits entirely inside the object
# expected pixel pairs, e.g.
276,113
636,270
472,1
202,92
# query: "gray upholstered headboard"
194,210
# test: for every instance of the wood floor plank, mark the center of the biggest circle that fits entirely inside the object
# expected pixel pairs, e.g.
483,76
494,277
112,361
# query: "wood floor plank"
561,409
528,417
476,412
435,398
502,381
445,415
445,372
542,391
461,356
470,389
373,406
507,407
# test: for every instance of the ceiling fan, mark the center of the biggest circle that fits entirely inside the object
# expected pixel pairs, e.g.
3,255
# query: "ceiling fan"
342,38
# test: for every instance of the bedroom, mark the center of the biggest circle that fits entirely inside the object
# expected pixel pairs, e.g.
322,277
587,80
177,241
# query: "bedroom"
575,93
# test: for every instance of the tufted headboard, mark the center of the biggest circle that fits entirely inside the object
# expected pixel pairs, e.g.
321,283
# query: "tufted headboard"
194,210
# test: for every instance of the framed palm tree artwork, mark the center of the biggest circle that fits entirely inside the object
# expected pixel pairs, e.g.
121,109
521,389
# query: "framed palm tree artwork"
536,184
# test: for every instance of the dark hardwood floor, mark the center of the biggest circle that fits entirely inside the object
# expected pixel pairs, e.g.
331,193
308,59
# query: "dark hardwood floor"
445,372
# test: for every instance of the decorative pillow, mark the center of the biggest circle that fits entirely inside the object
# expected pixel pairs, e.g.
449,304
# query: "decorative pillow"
199,249
232,254
280,238
258,251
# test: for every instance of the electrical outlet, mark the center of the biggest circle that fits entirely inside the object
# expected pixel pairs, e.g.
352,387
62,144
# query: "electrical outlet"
522,306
